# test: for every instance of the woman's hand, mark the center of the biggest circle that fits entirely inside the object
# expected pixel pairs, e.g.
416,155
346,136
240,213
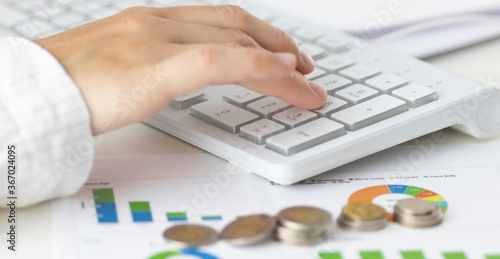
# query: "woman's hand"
130,65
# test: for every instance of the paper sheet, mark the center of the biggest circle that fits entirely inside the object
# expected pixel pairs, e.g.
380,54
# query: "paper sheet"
462,179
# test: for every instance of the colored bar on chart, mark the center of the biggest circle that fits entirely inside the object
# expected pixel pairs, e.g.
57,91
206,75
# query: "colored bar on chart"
412,190
371,255
211,217
176,216
141,212
412,255
105,205
330,255
398,188
454,255
493,256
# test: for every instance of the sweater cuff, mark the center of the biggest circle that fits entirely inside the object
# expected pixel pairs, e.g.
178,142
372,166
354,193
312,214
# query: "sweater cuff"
49,123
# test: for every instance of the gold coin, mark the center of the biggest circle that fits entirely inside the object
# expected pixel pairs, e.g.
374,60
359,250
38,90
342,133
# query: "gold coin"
363,211
249,229
190,235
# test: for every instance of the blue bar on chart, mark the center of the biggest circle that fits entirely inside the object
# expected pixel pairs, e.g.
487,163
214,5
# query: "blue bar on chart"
141,212
211,217
105,205
176,216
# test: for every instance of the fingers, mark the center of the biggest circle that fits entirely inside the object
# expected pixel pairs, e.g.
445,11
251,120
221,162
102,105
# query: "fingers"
191,33
294,88
234,17
257,69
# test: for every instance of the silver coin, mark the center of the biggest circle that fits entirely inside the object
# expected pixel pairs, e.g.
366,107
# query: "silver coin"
190,235
417,213
249,230
304,218
415,207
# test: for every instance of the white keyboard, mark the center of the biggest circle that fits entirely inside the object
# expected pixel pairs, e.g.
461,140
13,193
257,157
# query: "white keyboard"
377,99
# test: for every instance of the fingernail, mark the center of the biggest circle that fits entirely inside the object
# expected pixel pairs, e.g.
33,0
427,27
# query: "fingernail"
288,59
317,88
306,58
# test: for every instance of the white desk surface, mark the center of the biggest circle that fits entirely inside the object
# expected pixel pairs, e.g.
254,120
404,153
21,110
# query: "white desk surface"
35,223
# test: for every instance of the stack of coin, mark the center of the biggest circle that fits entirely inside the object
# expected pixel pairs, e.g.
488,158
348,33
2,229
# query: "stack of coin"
303,225
362,216
190,235
249,230
417,213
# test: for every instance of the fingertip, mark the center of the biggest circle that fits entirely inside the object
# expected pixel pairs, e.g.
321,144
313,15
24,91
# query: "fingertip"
317,88
320,91
308,62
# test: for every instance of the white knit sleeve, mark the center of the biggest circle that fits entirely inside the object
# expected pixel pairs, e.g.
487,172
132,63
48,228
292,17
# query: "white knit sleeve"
43,114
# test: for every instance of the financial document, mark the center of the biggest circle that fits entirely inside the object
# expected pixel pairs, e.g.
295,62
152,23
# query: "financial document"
128,202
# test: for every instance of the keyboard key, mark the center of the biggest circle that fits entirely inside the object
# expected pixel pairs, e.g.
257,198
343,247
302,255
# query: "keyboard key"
415,95
261,14
359,72
223,115
357,93
86,7
257,132
10,16
103,13
333,82
308,33
69,20
332,105
370,112
294,117
48,33
268,106
187,100
334,44
334,63
313,50
285,25
317,72
127,4
241,98
386,82
305,136
31,28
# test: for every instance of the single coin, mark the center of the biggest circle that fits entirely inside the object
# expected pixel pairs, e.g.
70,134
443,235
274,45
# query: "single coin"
190,235
249,230
363,211
304,218
304,241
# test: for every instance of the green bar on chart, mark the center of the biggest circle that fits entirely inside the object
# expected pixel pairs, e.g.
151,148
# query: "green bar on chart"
454,255
139,206
493,256
412,255
371,255
103,195
330,256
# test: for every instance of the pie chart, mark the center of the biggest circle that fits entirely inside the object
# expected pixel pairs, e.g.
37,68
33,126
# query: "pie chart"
387,196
